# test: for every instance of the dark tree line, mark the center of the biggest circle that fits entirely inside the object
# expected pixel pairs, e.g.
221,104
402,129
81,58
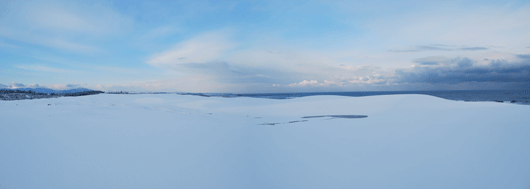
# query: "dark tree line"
118,92
9,94
10,91
84,93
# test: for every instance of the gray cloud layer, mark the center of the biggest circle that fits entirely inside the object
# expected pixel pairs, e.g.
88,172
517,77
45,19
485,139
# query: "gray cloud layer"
523,56
461,70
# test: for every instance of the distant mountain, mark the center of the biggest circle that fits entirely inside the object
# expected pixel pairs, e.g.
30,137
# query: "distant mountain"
49,91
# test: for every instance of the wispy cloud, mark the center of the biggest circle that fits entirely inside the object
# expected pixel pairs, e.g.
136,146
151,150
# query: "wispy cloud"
61,25
475,27
315,83
7,45
432,60
204,48
370,80
48,41
305,83
228,73
83,18
44,69
160,32
523,56
117,70
439,47
473,48
64,45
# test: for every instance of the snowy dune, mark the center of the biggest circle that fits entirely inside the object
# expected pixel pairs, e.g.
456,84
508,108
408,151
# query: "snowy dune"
179,141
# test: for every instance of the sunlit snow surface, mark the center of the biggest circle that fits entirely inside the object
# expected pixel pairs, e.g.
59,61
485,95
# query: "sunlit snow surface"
181,141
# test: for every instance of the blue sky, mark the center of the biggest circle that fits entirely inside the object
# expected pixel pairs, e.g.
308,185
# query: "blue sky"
265,46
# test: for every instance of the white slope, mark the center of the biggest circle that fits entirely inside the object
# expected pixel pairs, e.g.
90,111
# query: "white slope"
176,141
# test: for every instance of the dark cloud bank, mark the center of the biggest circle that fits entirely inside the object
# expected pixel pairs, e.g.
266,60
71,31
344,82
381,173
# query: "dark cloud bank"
498,73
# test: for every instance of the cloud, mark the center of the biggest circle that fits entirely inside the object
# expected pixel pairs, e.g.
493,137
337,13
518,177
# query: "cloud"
253,68
65,25
305,83
462,70
182,84
215,51
65,45
498,24
443,61
439,47
473,48
431,60
523,56
53,41
3,86
44,69
315,83
371,80
357,68
118,70
85,18
463,62
228,73
160,32
208,47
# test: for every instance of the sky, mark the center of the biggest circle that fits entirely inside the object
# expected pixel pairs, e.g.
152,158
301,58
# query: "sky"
265,46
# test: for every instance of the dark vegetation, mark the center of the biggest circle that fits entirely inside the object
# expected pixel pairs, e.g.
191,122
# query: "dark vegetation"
338,116
118,92
9,94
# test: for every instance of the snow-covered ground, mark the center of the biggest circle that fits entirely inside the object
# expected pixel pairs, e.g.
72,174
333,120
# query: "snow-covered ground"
179,141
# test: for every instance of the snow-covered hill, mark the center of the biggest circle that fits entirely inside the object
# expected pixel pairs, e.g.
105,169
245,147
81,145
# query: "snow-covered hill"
182,141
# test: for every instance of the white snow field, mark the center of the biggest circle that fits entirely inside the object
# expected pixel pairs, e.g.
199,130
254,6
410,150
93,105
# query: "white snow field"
179,141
